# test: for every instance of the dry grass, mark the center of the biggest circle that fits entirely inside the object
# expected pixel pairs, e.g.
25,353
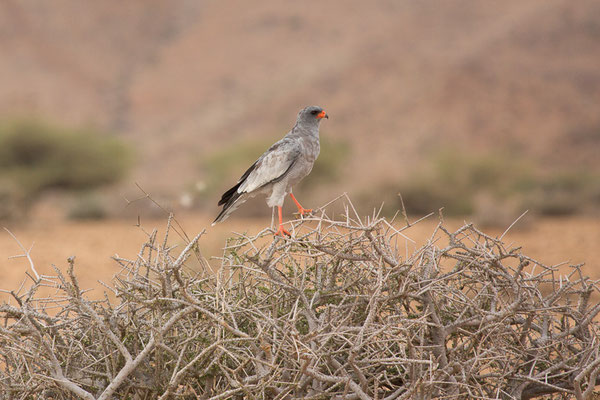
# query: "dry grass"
340,310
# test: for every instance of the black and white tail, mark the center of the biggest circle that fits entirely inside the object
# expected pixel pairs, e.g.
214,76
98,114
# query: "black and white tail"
232,199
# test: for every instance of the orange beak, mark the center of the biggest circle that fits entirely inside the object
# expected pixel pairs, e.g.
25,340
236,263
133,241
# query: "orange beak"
322,114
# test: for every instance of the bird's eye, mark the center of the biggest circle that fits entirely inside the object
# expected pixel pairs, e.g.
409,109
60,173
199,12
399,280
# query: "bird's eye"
314,112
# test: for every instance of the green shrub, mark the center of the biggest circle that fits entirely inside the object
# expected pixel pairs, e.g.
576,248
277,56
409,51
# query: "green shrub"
565,193
455,179
36,156
39,156
86,207
422,196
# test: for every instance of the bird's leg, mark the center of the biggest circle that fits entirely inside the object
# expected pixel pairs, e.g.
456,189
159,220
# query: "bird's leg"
301,209
281,231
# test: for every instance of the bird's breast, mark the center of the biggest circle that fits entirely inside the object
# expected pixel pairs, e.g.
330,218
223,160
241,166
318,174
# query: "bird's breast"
311,149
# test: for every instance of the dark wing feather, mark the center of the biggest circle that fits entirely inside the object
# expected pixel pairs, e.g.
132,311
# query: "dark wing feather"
231,192
271,167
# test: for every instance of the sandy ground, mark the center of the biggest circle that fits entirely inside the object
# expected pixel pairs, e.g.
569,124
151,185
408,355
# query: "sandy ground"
551,241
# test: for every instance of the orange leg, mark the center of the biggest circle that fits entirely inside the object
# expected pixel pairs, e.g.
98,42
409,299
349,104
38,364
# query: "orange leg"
301,209
281,231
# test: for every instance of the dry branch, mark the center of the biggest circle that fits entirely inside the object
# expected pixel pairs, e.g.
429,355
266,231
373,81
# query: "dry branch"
335,312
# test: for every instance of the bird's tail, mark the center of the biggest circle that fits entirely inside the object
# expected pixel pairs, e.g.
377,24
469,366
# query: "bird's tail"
236,200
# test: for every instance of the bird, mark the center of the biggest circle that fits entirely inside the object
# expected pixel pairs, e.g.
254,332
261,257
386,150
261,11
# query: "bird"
282,166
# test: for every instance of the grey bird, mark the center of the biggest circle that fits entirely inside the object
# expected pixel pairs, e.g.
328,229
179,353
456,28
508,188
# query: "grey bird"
282,166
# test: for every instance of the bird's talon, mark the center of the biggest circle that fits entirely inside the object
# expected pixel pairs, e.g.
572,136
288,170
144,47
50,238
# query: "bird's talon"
304,211
282,232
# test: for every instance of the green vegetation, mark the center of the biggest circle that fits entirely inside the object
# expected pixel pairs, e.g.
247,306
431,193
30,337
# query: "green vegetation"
36,156
87,206
456,180
567,192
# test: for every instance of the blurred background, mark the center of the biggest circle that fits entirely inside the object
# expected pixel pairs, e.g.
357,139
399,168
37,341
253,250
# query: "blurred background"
484,108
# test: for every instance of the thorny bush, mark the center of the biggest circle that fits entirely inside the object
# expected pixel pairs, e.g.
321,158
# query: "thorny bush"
338,311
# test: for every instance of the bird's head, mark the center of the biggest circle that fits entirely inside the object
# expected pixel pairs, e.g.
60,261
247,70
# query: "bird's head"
312,115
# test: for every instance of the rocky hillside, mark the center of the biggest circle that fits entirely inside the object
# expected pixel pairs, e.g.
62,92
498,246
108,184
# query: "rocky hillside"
182,79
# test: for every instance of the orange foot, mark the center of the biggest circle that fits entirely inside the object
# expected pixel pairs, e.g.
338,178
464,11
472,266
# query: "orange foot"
282,232
302,210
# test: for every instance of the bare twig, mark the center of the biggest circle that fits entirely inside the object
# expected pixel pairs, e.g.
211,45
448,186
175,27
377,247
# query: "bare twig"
26,254
333,312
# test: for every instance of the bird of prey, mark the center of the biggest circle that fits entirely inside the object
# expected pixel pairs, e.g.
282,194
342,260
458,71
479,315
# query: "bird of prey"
282,166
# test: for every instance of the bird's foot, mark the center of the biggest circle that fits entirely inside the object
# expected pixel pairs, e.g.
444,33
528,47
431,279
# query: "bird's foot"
282,232
303,211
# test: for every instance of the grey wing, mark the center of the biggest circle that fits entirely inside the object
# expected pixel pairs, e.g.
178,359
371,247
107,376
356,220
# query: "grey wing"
271,166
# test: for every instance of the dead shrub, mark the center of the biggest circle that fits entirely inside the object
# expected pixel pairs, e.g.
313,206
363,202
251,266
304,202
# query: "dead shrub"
337,311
